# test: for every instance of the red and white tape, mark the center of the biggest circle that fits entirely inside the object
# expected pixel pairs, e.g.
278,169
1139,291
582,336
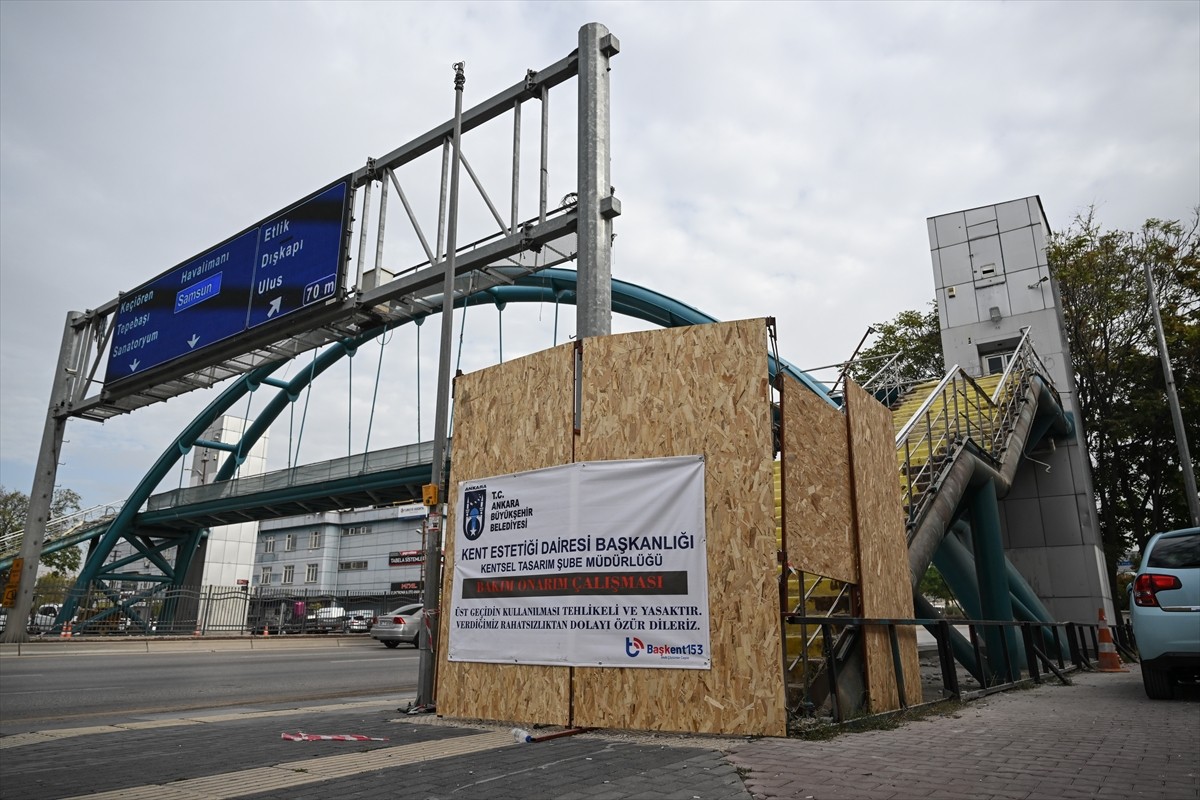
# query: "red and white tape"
340,737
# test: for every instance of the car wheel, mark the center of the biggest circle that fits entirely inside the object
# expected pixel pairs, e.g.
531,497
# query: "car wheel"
390,645
1157,683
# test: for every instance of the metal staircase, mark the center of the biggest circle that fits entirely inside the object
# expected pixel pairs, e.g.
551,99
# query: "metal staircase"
935,421
61,532
944,429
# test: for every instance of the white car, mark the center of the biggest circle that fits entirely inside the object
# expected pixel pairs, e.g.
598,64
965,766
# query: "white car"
360,621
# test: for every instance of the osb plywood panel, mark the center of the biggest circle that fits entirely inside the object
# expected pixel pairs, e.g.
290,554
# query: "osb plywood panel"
816,488
697,390
509,418
883,553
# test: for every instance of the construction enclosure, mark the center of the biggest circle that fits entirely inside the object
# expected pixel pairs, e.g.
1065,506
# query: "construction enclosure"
701,391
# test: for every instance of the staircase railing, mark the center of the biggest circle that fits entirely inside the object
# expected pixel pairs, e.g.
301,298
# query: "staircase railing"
59,527
956,411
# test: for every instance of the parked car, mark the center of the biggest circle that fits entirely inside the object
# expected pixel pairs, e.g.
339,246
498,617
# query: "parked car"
401,625
1165,611
360,621
44,617
326,620
40,621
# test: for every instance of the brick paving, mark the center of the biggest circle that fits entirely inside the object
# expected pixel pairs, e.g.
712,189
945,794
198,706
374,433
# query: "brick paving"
1099,738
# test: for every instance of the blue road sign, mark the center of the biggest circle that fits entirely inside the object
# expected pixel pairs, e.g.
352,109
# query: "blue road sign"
299,257
282,265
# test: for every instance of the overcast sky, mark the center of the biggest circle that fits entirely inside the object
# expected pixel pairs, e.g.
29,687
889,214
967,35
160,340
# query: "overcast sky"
772,159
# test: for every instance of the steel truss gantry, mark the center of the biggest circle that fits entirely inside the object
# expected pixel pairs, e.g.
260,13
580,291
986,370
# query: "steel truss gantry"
524,243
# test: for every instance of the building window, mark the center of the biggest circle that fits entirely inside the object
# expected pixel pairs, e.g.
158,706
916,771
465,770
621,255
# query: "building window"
996,364
356,530
264,577
347,566
310,574
289,573
290,542
269,544
314,540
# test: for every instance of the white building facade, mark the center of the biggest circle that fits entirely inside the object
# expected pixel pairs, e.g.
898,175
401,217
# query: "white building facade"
370,551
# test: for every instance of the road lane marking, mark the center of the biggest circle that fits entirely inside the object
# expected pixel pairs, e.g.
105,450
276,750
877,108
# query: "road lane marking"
38,737
65,691
291,774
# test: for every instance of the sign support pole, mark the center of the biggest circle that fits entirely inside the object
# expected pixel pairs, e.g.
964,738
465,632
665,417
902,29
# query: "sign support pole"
597,206
41,495
433,551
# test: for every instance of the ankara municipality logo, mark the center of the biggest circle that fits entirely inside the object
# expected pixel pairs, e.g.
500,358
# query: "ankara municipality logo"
476,502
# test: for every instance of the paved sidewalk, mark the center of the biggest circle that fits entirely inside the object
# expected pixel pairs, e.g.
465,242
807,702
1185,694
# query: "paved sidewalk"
1099,738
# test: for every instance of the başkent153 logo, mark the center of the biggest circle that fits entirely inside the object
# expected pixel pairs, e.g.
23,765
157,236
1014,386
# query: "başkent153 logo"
476,506
635,646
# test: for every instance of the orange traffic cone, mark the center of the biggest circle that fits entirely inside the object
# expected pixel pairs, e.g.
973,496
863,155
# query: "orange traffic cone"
66,630
1109,660
266,630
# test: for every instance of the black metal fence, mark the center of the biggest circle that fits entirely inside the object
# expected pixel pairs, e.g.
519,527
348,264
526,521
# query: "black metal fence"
993,655
211,610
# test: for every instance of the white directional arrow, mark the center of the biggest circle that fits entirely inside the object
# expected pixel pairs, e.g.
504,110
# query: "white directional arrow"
192,341
133,367
274,307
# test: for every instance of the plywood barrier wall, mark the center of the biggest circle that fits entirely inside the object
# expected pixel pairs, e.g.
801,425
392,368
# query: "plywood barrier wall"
510,418
883,552
816,485
697,390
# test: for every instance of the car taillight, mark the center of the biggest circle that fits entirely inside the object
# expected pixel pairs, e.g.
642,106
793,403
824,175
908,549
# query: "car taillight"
375,620
1148,584
397,620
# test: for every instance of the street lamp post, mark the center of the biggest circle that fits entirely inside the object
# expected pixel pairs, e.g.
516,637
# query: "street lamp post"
1185,458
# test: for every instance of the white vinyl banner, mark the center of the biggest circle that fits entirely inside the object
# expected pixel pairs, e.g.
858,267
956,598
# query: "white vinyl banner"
594,564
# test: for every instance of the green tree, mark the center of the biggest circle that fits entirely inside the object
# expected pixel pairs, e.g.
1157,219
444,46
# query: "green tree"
14,507
934,586
908,347
53,587
1122,393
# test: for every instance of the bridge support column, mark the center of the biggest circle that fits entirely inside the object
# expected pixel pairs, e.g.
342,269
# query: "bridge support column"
992,573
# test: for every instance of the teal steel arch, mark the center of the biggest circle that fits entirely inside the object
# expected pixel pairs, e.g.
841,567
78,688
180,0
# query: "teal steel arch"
549,285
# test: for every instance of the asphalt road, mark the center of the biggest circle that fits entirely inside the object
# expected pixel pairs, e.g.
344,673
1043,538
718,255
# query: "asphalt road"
87,683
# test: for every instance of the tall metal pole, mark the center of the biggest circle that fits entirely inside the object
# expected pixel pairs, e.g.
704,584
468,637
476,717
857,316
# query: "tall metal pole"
596,206
41,495
433,545
1185,458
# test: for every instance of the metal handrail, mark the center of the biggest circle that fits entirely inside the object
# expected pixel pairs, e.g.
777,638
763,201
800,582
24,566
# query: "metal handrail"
959,409
58,527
